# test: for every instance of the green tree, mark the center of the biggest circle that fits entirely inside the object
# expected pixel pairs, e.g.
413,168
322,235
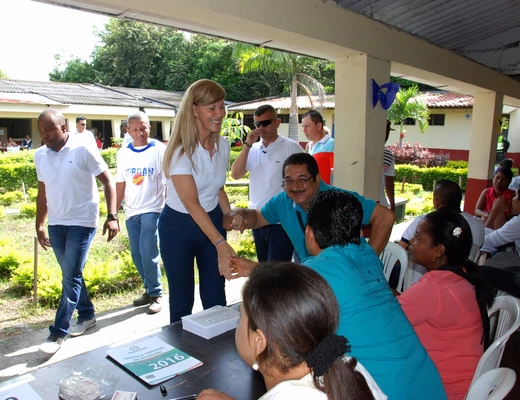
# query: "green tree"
2,75
75,70
259,59
406,105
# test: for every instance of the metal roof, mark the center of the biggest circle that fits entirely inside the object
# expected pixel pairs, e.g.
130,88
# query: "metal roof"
19,91
431,99
485,31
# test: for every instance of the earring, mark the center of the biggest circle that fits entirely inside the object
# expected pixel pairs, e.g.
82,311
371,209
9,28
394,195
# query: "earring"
255,365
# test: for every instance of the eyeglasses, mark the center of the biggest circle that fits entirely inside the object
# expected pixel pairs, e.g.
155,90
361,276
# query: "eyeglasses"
300,181
83,124
264,123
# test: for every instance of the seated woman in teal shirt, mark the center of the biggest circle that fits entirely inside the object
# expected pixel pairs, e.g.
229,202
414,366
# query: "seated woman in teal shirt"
381,337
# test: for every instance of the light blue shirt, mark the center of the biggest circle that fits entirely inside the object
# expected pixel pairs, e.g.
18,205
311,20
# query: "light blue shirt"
281,209
371,318
325,145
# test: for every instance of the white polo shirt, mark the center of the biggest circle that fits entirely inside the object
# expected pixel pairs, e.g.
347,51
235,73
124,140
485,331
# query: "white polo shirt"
265,166
88,137
209,175
141,170
508,233
70,184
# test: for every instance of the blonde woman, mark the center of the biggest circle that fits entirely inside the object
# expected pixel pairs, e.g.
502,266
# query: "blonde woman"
190,225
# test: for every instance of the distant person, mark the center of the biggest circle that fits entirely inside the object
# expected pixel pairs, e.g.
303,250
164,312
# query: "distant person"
127,138
72,212
81,129
140,183
264,160
369,315
10,142
99,140
448,306
190,226
322,146
27,143
447,195
500,189
295,347
387,184
501,143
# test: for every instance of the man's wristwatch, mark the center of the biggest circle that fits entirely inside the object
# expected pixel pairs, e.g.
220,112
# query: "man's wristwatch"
112,217
247,144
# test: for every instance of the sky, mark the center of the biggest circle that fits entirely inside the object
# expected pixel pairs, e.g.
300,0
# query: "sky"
32,33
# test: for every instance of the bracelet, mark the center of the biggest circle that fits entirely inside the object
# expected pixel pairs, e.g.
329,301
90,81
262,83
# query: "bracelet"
220,241
247,144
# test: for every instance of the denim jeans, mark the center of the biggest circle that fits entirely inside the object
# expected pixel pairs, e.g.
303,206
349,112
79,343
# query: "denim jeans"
71,245
182,241
272,244
142,233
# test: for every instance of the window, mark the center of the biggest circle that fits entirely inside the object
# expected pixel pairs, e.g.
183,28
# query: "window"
285,118
436,119
248,120
408,121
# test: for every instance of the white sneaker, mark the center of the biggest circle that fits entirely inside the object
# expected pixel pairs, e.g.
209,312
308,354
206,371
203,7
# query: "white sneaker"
82,326
51,345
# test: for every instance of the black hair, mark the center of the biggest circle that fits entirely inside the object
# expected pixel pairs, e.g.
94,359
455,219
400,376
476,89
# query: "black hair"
506,163
308,315
302,159
508,174
335,218
449,194
263,109
316,117
80,118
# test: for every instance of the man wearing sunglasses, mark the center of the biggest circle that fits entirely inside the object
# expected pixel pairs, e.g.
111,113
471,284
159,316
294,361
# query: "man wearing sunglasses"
264,160
81,129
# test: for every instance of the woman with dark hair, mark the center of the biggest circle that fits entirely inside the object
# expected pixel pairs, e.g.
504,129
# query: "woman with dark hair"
501,181
294,346
448,306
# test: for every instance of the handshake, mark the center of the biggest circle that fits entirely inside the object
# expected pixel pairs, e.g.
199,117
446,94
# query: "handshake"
236,220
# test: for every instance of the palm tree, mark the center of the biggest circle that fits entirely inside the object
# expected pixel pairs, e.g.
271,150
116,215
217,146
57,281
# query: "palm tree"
406,105
259,59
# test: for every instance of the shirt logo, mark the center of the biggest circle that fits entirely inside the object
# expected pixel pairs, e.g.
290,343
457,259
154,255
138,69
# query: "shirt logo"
138,179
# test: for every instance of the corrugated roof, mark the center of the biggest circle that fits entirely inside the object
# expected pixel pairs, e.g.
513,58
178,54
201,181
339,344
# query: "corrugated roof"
431,99
90,94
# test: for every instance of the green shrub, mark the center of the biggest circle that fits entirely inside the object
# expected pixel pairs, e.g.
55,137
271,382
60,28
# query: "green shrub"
28,211
32,194
247,248
20,157
241,204
110,156
12,176
459,164
11,260
49,283
237,190
8,199
426,176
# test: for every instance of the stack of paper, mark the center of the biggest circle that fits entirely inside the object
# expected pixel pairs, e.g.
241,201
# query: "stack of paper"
211,322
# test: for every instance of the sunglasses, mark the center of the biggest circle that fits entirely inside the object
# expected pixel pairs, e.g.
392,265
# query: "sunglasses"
264,123
83,124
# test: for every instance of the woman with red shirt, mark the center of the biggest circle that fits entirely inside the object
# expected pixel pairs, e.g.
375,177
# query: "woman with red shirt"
447,307
501,182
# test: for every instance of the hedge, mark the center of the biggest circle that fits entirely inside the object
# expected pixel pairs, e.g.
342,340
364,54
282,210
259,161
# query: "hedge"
426,176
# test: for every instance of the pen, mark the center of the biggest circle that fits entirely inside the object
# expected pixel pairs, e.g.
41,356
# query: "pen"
188,397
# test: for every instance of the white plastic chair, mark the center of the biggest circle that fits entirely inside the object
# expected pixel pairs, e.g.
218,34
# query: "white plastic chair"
389,256
504,319
493,385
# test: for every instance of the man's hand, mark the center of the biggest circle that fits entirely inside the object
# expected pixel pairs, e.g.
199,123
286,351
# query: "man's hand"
234,220
42,237
252,137
112,226
241,267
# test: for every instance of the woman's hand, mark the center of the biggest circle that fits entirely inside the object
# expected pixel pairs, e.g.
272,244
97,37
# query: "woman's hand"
225,252
212,394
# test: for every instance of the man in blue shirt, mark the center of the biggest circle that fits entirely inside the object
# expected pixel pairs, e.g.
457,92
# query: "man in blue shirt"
302,183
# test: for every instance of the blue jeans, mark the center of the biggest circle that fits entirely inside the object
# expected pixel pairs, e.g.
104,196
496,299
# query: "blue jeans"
181,241
142,233
71,245
272,244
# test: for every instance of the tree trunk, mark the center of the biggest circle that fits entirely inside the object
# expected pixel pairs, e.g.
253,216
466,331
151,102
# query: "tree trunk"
293,117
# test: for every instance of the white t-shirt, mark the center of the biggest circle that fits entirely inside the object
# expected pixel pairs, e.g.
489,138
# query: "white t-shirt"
141,170
304,388
127,139
209,175
388,170
70,184
265,169
477,231
88,137
508,233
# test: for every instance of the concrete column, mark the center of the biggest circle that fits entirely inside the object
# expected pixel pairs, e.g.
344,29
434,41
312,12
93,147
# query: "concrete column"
116,131
359,128
166,127
514,137
485,127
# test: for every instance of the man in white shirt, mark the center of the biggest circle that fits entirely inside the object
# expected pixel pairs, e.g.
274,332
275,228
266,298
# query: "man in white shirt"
140,182
447,195
264,160
123,128
81,129
68,195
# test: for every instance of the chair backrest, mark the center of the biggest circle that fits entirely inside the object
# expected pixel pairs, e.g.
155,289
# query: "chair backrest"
493,385
474,254
504,319
389,257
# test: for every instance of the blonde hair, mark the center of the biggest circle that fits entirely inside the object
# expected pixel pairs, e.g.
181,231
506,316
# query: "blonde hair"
185,133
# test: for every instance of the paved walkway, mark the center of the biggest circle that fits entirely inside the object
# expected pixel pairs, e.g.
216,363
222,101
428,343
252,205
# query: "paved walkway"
19,355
